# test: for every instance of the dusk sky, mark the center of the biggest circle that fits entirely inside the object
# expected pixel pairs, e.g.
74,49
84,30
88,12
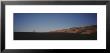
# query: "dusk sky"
44,22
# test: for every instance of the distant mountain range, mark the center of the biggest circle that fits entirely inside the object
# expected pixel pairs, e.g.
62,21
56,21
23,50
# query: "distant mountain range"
79,30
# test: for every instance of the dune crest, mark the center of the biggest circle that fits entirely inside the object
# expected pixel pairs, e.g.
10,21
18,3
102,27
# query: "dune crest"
79,30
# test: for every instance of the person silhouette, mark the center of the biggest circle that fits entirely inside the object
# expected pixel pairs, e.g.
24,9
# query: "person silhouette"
34,30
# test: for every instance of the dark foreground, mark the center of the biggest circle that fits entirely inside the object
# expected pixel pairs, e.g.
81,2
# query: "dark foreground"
52,36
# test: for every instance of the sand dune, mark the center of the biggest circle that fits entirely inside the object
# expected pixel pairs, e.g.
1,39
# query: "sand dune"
80,30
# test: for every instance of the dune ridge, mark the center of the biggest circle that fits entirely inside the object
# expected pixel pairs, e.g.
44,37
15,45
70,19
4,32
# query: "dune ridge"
79,30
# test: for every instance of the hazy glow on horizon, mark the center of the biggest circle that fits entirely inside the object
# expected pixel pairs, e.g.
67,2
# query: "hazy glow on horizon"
44,22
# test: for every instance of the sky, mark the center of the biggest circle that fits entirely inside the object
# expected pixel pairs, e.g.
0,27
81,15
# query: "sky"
45,22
